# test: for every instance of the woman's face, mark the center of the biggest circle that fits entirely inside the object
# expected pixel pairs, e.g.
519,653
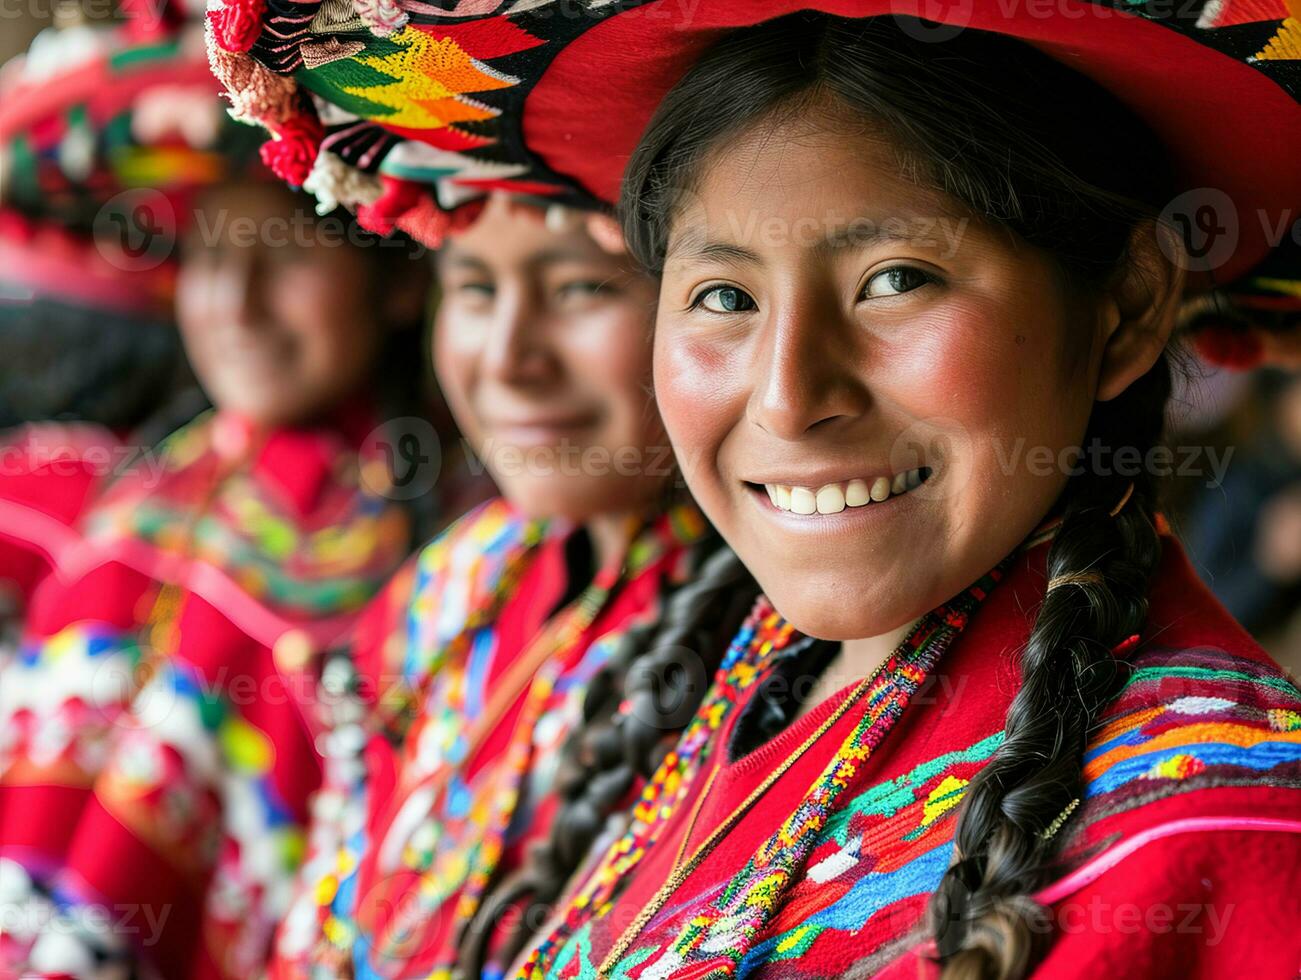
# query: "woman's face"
279,322
826,328
542,349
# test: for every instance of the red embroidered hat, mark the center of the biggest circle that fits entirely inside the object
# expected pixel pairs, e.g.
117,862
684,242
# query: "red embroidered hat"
411,109
125,116
106,132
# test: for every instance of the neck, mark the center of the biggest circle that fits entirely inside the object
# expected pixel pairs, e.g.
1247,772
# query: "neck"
610,538
857,659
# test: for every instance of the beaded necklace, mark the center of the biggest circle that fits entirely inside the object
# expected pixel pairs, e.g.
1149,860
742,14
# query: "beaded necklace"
465,873
748,905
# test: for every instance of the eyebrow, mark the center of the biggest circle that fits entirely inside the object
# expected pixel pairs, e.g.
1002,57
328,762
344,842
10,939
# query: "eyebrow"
859,233
854,234
555,256
451,257
695,245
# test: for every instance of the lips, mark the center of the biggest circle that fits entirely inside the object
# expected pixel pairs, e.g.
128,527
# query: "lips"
537,430
832,498
541,422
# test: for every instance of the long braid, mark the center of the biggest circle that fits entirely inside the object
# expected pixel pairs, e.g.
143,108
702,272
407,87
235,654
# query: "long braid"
645,694
1011,133
1101,567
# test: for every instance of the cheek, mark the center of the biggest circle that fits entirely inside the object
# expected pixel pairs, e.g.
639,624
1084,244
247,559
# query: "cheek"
456,352
700,389
989,387
609,357
986,366
325,308
196,309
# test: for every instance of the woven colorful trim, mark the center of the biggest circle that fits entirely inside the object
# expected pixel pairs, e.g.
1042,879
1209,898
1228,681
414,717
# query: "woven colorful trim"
328,563
745,909
445,846
1189,721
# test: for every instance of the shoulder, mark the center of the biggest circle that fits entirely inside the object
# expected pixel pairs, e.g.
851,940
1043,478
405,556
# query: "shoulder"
1192,795
442,590
1191,722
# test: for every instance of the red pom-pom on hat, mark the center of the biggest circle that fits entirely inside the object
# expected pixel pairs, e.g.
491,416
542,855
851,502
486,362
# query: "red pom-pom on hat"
399,196
238,25
430,225
292,153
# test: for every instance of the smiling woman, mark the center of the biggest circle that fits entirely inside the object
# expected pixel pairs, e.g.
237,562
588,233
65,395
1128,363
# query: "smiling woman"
845,402
974,699
541,343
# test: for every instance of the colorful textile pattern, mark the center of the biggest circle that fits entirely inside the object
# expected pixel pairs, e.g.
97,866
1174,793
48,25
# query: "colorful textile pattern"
832,876
303,565
94,116
407,848
157,755
1188,720
742,908
468,96
447,598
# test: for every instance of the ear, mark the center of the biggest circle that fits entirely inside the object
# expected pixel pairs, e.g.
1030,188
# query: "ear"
1138,314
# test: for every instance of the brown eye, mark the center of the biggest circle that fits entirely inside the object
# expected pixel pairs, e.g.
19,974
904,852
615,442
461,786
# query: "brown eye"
896,280
582,289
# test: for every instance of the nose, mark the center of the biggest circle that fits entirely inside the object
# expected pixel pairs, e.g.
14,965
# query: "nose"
516,350
246,283
807,371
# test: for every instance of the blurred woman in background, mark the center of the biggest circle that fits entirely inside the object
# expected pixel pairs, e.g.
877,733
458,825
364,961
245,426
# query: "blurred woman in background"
470,671
158,744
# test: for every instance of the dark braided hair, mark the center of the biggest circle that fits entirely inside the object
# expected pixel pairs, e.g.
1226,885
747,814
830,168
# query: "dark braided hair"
1028,145
644,694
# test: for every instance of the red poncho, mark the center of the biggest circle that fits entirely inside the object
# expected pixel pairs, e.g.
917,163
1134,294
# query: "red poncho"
1184,851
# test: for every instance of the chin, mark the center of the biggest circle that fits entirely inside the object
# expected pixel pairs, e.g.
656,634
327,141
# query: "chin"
830,611
576,500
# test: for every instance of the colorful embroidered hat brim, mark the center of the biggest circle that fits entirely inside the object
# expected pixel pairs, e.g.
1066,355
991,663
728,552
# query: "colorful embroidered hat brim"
127,111
419,104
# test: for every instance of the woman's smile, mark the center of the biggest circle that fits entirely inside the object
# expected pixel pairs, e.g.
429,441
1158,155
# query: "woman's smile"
835,497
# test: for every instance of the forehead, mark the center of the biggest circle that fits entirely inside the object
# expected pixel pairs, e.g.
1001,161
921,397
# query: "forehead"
515,233
844,176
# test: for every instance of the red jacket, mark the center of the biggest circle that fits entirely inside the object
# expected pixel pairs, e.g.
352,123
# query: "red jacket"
1184,852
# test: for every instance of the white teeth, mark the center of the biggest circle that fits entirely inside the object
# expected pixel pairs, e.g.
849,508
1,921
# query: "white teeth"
856,493
830,499
803,501
835,497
